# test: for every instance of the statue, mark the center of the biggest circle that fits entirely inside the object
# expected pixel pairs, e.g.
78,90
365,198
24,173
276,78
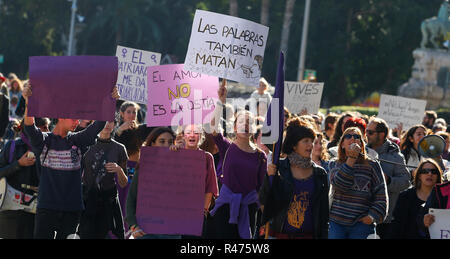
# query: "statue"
435,27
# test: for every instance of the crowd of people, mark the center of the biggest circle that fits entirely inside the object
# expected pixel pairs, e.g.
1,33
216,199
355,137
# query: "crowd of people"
338,176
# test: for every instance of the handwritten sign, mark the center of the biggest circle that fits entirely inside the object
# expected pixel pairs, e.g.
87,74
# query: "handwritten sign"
299,96
440,229
132,78
227,47
171,191
397,109
73,87
179,97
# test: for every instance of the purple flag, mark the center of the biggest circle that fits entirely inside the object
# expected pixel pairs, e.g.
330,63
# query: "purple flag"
278,97
73,87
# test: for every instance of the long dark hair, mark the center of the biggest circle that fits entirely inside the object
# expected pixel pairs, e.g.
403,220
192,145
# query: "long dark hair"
150,140
406,145
338,130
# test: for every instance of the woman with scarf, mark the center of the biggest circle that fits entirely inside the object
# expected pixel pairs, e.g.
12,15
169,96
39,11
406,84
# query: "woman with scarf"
296,198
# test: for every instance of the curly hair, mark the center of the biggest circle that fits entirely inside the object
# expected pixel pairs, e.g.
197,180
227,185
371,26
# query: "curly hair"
297,130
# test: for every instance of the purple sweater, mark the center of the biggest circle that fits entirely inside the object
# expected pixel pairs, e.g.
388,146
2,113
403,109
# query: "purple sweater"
243,172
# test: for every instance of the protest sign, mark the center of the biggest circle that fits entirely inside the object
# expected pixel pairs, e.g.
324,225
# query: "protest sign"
397,109
227,47
299,96
178,97
440,229
171,191
132,77
73,87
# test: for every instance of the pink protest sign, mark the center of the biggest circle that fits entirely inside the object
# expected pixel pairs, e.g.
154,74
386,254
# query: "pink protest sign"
171,191
179,97
73,87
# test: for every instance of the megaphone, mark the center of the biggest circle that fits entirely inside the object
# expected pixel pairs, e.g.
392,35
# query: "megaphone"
431,146
12,199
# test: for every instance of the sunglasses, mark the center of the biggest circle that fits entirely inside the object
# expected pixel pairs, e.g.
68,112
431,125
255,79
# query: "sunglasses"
355,136
426,171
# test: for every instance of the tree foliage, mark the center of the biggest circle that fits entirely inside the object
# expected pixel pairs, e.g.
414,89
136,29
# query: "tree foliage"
356,46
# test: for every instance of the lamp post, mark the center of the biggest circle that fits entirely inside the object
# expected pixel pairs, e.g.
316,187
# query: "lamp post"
301,63
72,25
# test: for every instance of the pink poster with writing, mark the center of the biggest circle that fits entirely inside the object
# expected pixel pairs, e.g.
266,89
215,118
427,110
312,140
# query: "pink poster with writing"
179,97
171,191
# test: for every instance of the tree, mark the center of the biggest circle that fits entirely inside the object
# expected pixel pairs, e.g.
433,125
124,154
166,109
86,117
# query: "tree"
265,12
287,25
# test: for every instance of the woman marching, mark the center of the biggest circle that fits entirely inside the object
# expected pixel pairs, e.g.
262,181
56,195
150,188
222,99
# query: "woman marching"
104,166
192,135
296,199
17,165
159,137
132,136
411,202
244,167
359,192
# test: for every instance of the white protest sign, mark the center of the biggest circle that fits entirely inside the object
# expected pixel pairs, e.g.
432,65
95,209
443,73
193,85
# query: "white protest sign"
397,109
132,76
440,229
226,47
299,96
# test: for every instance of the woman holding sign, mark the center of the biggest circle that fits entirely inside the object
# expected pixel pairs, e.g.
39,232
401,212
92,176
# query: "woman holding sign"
191,138
159,137
411,201
244,167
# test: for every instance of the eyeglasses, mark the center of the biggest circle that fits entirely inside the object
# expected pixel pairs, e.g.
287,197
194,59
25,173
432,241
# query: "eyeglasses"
426,171
371,132
355,136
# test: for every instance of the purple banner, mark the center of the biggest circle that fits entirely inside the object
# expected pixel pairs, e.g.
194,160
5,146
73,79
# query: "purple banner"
171,191
73,87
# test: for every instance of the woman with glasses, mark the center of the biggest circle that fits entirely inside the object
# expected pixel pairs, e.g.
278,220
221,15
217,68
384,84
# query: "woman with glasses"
359,192
411,201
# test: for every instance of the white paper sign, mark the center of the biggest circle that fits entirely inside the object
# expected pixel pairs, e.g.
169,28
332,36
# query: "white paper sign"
397,109
299,96
226,47
132,76
440,229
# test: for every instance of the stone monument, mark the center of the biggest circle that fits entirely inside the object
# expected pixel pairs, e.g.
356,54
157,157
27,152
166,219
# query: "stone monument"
430,79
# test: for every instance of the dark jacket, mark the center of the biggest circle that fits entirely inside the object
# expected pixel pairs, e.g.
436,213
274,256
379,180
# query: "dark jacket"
15,174
438,199
398,175
277,197
4,114
406,215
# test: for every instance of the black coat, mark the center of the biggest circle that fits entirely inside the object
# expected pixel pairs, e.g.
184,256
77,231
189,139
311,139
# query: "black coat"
277,197
15,174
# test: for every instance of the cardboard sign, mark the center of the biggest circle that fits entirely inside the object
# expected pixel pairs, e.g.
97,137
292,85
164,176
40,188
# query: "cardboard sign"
397,109
132,78
299,96
179,97
73,87
171,191
226,47
440,229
